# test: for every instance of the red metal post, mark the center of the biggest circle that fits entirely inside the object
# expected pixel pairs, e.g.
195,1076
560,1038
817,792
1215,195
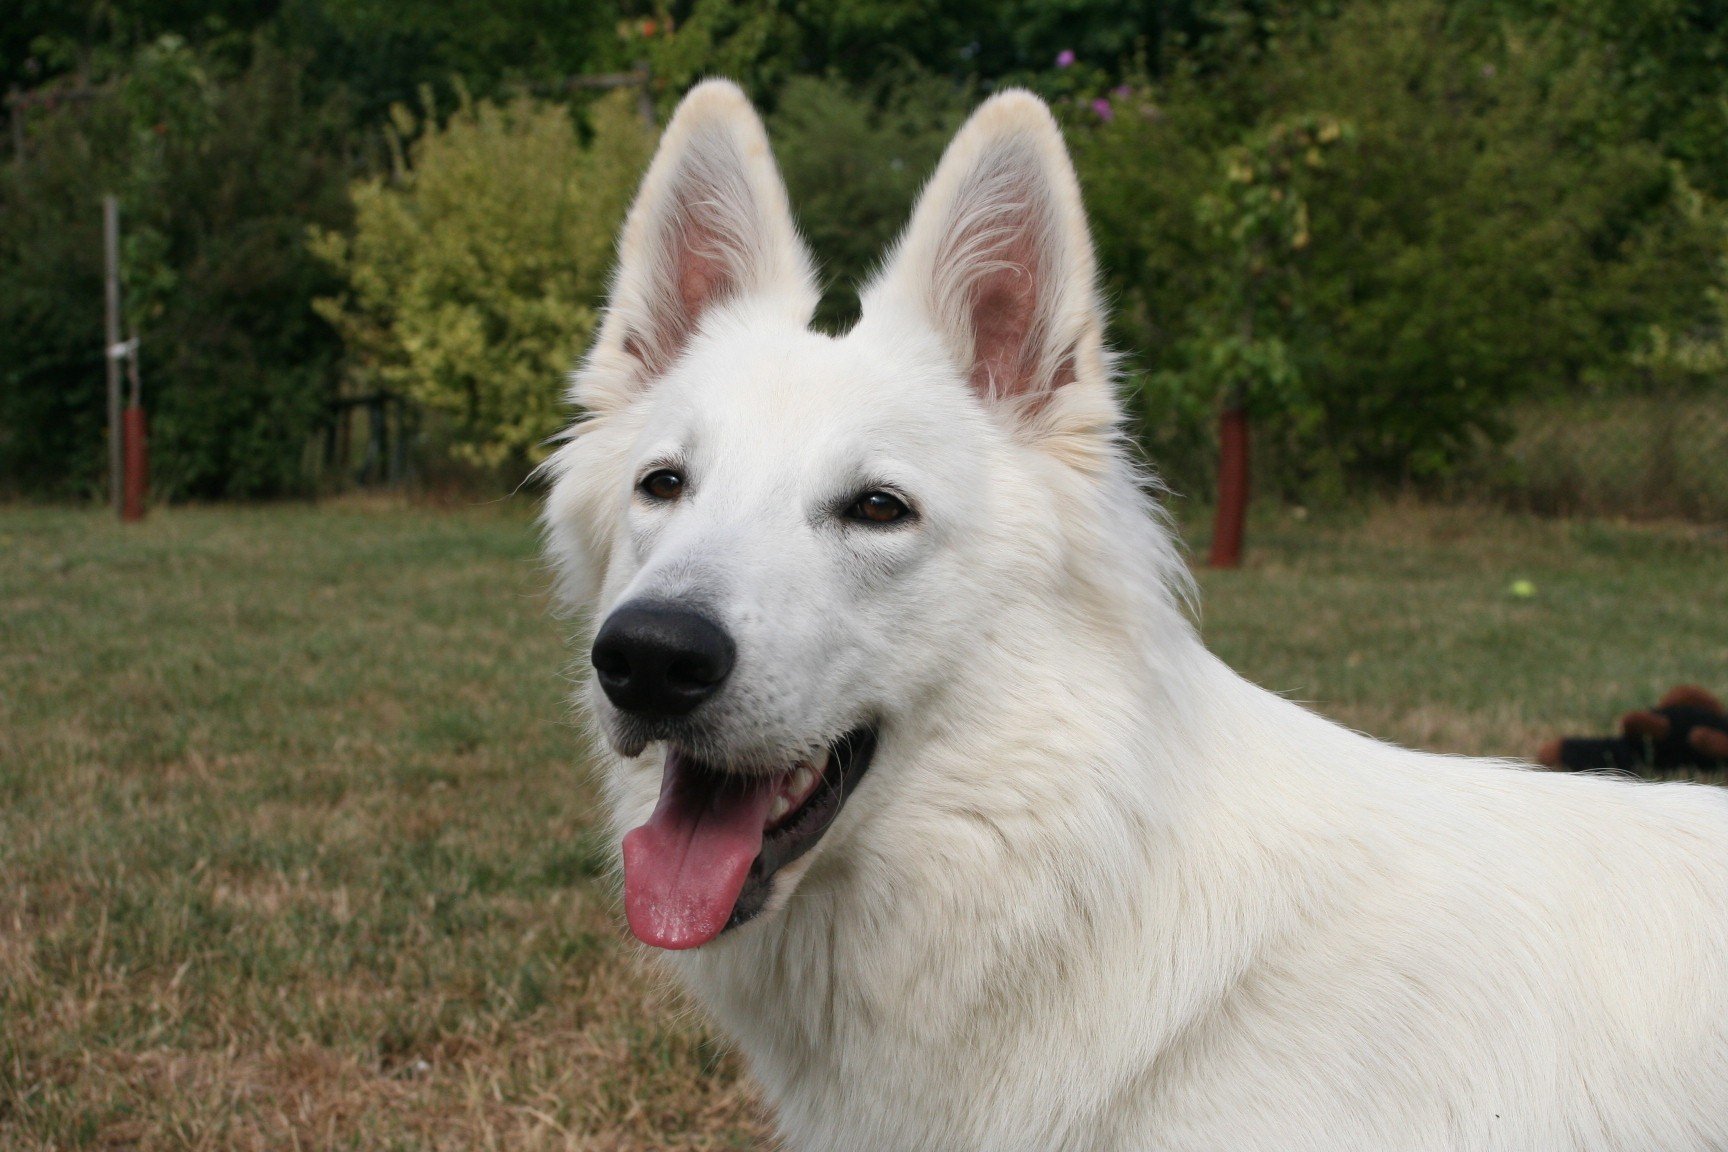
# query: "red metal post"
1232,516
137,465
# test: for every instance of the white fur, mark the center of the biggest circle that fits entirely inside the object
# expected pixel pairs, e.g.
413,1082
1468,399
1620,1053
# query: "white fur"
1096,892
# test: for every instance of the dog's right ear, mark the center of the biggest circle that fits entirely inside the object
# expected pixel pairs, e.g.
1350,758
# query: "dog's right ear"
710,227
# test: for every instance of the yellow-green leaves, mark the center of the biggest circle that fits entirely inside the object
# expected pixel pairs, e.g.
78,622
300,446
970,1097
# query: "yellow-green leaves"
474,273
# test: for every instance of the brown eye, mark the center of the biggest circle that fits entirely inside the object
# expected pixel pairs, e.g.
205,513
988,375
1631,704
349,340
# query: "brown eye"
877,508
663,484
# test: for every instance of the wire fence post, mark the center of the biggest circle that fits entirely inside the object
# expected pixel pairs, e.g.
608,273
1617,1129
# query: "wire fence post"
111,350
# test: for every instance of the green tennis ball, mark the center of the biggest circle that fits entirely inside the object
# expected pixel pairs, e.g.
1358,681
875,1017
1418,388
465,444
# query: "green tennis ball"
1522,589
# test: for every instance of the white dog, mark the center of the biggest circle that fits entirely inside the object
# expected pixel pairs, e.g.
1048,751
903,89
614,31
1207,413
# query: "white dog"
927,786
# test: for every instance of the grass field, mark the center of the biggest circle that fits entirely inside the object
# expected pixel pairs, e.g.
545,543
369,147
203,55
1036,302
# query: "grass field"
295,847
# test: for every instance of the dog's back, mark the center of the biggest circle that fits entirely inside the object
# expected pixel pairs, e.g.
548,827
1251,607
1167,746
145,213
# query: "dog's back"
1472,955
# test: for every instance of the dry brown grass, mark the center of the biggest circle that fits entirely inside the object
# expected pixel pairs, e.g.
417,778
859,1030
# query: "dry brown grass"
295,851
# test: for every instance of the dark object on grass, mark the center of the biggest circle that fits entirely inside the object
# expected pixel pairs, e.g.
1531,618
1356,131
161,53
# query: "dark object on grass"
1688,728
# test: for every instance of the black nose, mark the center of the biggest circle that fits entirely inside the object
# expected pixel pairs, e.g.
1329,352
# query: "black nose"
660,659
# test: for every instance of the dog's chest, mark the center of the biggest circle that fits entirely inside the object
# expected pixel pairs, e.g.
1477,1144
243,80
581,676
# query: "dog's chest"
921,1061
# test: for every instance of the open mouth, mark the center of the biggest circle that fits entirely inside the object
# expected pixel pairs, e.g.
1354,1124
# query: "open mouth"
705,860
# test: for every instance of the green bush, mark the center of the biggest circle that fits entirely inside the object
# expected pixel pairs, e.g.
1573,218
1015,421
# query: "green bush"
52,400
1665,61
218,176
1146,173
1502,233
473,275
243,370
1524,212
1496,230
854,161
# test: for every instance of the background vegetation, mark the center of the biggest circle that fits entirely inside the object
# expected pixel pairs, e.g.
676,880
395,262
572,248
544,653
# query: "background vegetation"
1514,220
473,270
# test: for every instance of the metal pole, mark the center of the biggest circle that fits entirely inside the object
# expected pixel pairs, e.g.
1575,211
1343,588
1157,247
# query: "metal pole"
137,480
111,250
1232,516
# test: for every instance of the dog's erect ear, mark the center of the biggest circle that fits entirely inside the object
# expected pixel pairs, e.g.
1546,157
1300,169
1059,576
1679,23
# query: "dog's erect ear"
998,259
710,227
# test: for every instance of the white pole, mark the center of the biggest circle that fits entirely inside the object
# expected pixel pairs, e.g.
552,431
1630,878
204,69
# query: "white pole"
111,249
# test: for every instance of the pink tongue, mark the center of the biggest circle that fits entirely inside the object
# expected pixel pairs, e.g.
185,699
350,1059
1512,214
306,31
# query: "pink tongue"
683,869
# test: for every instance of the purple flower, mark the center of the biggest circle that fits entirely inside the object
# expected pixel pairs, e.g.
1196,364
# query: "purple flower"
1105,112
1065,58
1122,91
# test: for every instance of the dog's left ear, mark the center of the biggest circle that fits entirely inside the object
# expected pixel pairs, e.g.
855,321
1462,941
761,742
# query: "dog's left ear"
997,259
710,229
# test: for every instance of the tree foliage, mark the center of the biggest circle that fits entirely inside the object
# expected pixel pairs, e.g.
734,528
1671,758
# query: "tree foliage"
218,176
473,273
1530,204
1498,228
854,161
1258,216
52,410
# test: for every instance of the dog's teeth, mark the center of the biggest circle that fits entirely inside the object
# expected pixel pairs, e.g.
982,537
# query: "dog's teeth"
800,783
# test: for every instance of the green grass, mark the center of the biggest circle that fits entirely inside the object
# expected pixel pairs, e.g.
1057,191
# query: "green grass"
1400,621
295,848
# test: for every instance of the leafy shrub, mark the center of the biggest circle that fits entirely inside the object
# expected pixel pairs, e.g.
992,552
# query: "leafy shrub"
865,42
52,401
473,273
1496,230
218,176
1257,216
854,162
243,370
1146,172
1503,232
1664,60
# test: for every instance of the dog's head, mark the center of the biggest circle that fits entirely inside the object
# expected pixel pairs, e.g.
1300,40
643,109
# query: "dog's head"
789,543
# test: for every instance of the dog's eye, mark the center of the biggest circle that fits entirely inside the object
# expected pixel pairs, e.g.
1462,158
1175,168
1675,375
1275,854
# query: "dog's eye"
877,508
662,484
